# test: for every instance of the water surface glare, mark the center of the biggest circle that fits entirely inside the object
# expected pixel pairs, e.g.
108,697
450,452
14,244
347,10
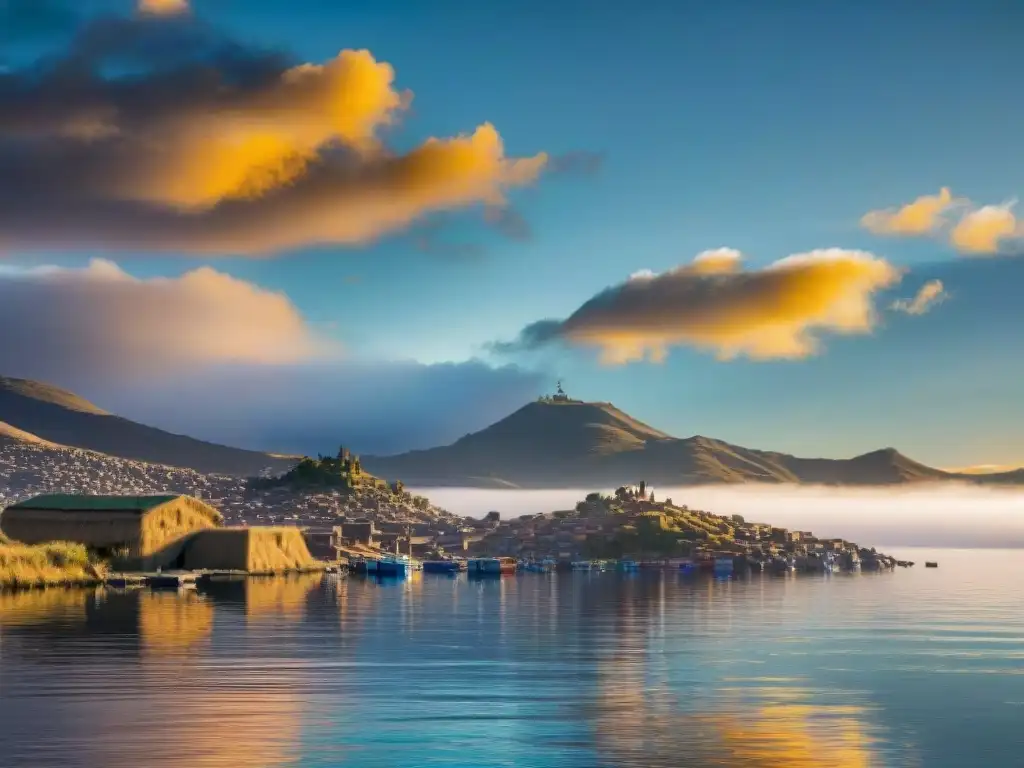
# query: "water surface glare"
913,668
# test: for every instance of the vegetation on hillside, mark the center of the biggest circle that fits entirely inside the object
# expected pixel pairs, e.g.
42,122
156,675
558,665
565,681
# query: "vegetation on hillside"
342,471
54,563
651,528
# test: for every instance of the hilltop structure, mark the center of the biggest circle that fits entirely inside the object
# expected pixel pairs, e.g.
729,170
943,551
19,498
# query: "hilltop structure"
558,397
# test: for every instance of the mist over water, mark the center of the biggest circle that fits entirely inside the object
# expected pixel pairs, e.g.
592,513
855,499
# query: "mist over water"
928,516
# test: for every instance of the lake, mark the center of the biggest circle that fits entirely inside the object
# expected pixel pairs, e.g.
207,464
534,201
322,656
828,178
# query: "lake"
919,667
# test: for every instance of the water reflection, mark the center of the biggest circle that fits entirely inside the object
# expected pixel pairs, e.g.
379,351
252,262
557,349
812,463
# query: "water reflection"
570,671
640,720
262,598
139,683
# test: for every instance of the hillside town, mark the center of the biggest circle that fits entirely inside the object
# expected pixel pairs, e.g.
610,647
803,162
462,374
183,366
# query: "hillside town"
631,524
31,468
374,514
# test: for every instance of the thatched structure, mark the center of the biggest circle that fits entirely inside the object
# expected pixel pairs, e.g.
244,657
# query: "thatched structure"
131,527
255,550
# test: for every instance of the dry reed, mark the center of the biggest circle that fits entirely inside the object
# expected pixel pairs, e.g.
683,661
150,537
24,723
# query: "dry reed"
58,562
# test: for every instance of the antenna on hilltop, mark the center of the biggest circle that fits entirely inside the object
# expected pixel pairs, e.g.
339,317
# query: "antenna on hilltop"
560,396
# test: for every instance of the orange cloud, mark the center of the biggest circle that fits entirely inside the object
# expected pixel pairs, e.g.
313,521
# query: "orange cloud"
978,231
250,157
267,139
931,293
777,312
984,230
101,318
163,7
919,217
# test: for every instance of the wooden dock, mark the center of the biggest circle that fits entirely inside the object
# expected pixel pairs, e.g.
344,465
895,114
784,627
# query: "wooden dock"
186,579
160,580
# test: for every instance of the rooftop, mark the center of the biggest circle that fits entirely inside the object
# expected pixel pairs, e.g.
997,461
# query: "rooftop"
83,503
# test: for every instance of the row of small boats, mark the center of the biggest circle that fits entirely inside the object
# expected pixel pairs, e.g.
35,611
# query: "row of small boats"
401,565
721,565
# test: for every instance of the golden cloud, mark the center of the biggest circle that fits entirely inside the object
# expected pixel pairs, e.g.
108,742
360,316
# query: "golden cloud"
777,312
163,7
984,230
931,293
920,217
978,231
100,318
225,152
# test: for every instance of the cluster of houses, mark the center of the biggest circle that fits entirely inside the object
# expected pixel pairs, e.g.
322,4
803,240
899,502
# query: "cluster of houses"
581,532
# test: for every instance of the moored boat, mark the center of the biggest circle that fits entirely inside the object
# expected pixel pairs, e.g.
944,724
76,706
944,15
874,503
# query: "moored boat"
491,566
628,565
723,566
535,566
442,566
394,565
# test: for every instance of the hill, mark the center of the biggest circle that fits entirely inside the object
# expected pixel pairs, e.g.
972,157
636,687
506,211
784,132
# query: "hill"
595,445
54,415
30,466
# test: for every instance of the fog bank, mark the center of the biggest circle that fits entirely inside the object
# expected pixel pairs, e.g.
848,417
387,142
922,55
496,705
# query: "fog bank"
930,516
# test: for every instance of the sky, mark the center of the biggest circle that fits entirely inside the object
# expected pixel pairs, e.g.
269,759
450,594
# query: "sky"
288,225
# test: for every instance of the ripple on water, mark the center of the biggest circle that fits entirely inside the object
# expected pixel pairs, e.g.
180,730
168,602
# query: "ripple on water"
911,668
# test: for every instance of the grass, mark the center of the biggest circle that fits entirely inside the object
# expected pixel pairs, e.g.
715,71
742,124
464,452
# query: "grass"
46,564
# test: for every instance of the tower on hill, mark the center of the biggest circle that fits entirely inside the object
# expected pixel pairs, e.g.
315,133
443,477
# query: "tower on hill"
560,396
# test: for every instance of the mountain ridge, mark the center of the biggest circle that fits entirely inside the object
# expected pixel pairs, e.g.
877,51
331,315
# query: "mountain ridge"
54,415
573,443
543,444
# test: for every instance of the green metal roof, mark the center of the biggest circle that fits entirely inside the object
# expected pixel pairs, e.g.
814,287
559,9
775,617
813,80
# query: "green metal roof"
82,503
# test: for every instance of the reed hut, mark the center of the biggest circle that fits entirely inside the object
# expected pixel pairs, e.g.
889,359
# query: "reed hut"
132,527
255,550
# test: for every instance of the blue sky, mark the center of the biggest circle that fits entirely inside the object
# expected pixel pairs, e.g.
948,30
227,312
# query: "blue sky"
766,127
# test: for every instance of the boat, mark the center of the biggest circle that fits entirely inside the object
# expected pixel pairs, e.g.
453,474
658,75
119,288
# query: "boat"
491,566
442,566
628,565
723,566
582,565
782,565
687,567
533,566
931,565
385,565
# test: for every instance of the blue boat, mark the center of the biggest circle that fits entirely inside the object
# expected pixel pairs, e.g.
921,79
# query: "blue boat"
534,566
491,566
687,567
628,565
442,566
723,566
385,565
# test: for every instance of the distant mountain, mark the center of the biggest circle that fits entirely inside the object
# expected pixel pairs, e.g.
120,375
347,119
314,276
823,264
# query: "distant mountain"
595,445
34,410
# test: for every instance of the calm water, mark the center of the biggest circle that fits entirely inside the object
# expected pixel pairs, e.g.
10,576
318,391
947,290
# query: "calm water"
913,668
